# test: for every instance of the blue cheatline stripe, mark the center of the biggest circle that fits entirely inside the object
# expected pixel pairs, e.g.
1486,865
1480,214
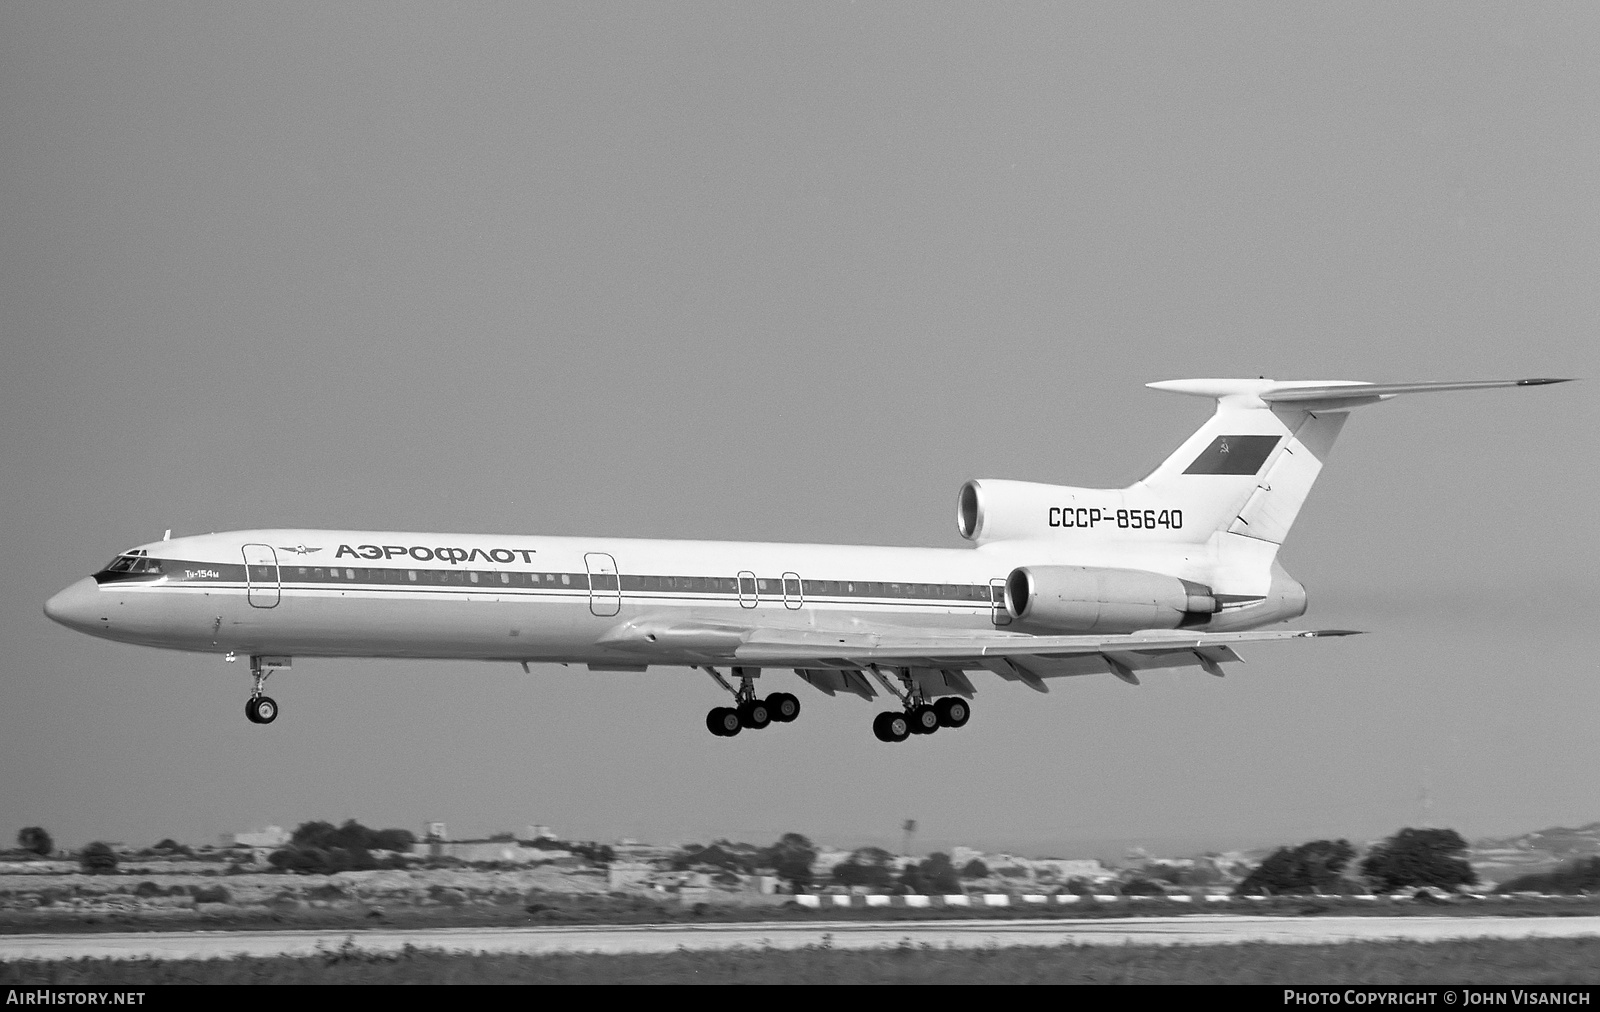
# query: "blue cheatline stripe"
470,581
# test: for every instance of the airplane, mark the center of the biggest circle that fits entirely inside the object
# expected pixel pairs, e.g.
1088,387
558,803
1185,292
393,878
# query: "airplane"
1174,571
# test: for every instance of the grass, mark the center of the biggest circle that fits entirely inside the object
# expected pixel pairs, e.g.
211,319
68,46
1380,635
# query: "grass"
1488,962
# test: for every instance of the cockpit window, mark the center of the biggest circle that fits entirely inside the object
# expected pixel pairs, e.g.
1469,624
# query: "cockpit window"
134,562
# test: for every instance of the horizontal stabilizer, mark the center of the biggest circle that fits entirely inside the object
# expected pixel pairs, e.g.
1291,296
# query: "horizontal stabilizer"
1354,394
1319,395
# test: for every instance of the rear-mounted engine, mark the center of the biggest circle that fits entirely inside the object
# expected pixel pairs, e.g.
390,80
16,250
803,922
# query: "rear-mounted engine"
1086,599
1000,510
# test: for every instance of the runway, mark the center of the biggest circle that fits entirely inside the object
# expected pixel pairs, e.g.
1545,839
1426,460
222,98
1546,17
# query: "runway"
1199,929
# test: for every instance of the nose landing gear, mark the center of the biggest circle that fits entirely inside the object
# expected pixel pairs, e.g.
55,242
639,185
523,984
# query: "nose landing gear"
261,708
749,711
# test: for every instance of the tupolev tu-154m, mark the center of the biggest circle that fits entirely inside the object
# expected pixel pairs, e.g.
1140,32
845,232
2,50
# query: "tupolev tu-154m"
1175,570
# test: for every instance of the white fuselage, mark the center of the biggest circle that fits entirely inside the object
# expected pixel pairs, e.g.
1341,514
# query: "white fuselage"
387,594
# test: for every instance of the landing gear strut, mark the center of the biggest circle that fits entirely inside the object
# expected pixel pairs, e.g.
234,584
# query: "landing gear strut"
748,711
919,716
261,708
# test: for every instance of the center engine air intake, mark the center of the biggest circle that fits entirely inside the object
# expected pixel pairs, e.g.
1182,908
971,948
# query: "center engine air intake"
1087,599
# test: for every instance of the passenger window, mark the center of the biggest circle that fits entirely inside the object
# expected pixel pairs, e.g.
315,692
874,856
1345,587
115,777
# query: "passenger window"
505,577
566,579
473,577
412,574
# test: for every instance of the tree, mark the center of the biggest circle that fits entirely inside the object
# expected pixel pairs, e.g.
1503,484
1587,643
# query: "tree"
975,868
98,859
35,840
937,876
313,834
791,858
869,866
1419,857
401,841
323,848
1315,867
1580,876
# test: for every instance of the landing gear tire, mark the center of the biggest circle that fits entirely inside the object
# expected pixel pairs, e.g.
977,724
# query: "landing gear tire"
250,710
266,710
953,711
753,713
783,707
723,722
924,719
878,730
891,726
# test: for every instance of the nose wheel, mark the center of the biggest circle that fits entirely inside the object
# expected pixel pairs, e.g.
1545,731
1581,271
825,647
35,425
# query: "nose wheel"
261,709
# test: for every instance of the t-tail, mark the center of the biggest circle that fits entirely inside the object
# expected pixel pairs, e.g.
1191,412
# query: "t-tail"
1243,476
1210,519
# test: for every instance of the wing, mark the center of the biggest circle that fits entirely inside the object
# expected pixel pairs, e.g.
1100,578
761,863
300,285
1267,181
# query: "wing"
938,659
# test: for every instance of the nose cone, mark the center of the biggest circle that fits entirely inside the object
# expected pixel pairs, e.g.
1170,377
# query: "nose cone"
77,607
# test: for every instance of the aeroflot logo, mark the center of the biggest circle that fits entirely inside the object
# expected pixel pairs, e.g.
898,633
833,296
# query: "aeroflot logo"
423,553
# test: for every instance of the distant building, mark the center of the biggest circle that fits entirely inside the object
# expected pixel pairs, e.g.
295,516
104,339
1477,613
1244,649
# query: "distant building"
435,831
963,856
272,837
538,833
506,851
1089,868
622,874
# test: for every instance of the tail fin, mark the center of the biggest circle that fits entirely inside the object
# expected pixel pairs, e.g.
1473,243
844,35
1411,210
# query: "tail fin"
1243,476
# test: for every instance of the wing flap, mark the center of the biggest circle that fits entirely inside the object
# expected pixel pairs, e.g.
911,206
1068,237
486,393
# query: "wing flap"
835,680
939,650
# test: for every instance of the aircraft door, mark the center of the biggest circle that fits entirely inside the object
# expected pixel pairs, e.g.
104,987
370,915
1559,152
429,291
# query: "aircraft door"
605,587
263,582
793,595
997,603
747,589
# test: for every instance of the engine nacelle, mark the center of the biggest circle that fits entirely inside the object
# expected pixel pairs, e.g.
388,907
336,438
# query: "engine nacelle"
999,510
1086,599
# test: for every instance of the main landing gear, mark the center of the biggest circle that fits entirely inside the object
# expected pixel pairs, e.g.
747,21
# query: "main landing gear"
749,711
919,715
261,708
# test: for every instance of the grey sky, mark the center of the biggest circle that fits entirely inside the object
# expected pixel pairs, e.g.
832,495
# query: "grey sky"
795,272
